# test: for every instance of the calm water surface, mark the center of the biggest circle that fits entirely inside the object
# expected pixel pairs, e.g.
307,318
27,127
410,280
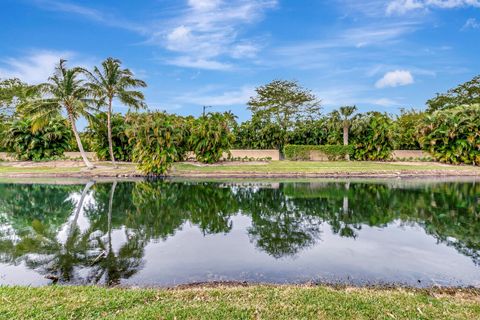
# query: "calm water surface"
165,233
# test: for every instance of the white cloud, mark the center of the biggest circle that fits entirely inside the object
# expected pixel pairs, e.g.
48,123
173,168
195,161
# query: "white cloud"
200,63
395,78
403,6
471,23
228,98
92,14
384,102
209,31
204,4
37,66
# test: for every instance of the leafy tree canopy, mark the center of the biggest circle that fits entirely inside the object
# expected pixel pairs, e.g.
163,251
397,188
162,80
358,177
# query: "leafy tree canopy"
283,102
13,92
464,94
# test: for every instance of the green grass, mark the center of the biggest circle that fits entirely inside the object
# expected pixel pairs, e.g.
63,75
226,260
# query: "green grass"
45,168
256,302
10,169
321,167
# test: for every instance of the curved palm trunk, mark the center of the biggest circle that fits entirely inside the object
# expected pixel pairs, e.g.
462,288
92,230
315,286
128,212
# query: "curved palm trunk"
110,205
109,133
73,224
345,139
79,142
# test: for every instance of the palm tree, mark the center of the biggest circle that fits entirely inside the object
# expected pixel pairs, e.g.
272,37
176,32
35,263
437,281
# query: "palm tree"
346,112
113,82
64,91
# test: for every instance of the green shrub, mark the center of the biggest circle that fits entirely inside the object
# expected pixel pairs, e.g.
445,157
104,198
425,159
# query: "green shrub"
96,134
372,136
296,152
406,130
46,143
157,140
258,134
211,137
453,135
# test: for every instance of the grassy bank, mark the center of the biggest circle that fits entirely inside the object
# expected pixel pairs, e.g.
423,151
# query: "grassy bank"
255,302
327,167
67,168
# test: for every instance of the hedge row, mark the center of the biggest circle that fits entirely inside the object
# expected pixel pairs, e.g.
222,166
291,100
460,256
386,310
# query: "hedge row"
336,152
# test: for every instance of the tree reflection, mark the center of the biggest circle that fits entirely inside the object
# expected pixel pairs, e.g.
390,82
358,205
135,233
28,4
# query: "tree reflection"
41,223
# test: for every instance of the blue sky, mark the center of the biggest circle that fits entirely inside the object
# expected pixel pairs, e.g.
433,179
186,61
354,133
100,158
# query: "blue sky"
379,55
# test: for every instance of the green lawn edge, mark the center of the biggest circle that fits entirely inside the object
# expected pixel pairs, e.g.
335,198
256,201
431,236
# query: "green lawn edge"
250,302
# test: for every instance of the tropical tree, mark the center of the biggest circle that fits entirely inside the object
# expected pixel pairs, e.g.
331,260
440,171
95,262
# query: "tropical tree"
211,137
467,93
47,143
12,93
283,102
113,82
346,113
65,91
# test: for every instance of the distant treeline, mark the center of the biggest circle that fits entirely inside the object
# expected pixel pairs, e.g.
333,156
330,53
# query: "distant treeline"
39,123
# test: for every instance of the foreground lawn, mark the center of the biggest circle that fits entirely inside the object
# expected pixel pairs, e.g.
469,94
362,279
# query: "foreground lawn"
63,168
256,302
323,167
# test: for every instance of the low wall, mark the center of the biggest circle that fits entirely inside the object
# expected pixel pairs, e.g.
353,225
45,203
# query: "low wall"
250,153
5,157
76,155
257,154
316,155
407,154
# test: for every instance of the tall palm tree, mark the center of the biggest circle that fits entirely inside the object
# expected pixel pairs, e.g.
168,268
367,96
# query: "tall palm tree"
346,112
113,82
64,91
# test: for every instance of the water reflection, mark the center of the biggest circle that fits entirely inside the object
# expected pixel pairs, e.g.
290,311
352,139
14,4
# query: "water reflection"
99,232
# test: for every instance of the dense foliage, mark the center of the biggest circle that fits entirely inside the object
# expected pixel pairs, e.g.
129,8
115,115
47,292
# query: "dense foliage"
464,94
406,129
302,152
258,134
283,102
97,137
372,136
157,139
27,143
453,135
12,93
211,137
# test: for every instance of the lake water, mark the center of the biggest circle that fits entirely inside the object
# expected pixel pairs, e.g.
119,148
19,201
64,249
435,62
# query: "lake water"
165,233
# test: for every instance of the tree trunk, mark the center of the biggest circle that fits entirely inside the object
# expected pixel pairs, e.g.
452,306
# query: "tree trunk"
109,130
110,205
345,140
73,224
79,142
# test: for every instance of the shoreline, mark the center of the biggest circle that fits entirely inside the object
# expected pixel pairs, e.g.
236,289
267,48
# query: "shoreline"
238,302
232,170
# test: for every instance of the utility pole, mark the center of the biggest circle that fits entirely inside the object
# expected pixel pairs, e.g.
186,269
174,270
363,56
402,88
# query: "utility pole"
204,108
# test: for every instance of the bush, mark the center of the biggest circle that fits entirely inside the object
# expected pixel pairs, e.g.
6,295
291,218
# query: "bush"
309,132
3,128
97,136
297,152
258,134
406,130
211,137
157,140
372,136
453,135
47,143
